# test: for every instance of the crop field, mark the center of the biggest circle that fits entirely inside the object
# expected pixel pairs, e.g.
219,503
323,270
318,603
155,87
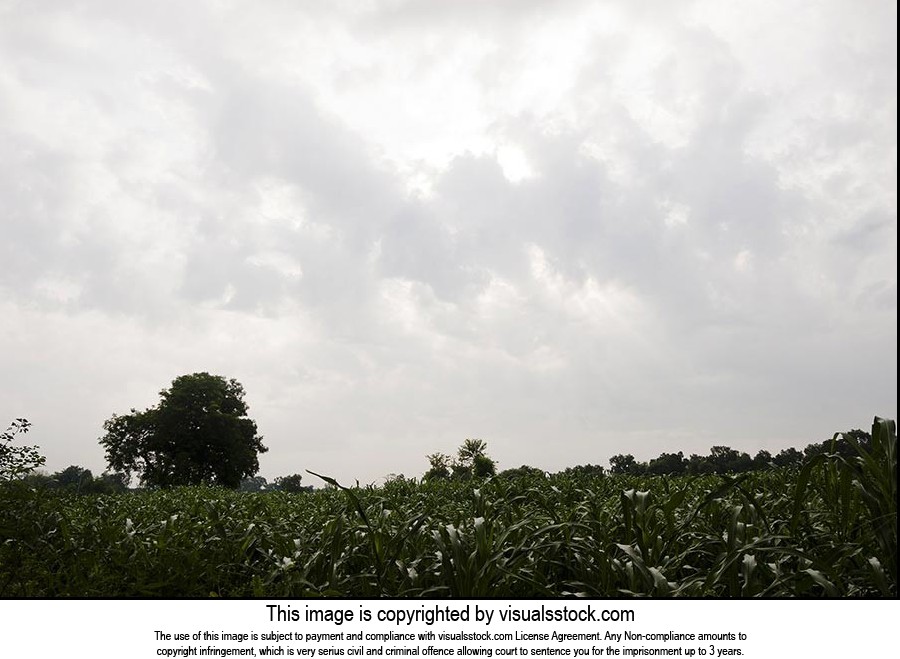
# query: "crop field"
826,529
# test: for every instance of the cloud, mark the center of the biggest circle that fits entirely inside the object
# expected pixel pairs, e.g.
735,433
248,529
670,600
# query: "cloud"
616,228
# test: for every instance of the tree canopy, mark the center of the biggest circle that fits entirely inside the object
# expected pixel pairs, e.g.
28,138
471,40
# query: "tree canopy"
726,460
198,433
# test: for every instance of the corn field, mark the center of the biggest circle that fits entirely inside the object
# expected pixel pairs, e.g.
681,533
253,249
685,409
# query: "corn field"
828,529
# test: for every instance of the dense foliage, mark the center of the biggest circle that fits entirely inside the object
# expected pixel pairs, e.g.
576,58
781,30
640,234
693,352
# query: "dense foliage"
472,461
828,528
78,480
198,434
726,460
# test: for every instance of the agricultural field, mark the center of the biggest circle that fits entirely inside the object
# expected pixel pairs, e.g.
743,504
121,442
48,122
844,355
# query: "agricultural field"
826,529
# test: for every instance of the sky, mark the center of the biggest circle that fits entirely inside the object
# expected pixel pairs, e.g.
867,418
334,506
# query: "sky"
571,229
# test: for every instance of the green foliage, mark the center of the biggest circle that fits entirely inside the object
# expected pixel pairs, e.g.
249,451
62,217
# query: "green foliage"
624,464
762,460
110,482
668,463
827,528
78,480
291,483
585,470
483,466
74,476
440,466
788,456
524,471
472,461
824,530
254,484
17,461
199,433
726,460
469,451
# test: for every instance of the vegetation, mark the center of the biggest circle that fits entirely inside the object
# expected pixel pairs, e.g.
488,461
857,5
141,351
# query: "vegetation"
78,480
471,461
291,483
726,460
16,461
198,434
826,528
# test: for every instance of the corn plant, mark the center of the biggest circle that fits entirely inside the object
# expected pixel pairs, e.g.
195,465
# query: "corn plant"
826,529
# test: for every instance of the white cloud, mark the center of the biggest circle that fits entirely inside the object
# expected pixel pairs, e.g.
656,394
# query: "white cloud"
514,163
743,262
675,214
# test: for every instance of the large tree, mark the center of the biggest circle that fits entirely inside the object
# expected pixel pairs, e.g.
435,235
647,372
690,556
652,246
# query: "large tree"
198,433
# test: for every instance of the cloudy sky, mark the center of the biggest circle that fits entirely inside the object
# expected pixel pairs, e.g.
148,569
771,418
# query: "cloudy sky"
571,229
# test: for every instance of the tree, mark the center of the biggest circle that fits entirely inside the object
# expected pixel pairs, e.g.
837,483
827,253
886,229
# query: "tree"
667,463
78,480
471,461
525,471
762,459
111,482
74,476
699,464
198,433
623,464
440,466
16,461
726,460
291,483
469,450
254,484
483,466
788,456
587,470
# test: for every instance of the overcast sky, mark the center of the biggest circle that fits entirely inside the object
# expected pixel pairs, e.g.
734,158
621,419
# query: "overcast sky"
571,229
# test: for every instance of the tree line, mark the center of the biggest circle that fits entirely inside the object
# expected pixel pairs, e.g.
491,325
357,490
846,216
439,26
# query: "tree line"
726,460
200,433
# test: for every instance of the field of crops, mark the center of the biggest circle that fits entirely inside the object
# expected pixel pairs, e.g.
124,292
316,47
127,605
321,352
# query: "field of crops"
828,529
